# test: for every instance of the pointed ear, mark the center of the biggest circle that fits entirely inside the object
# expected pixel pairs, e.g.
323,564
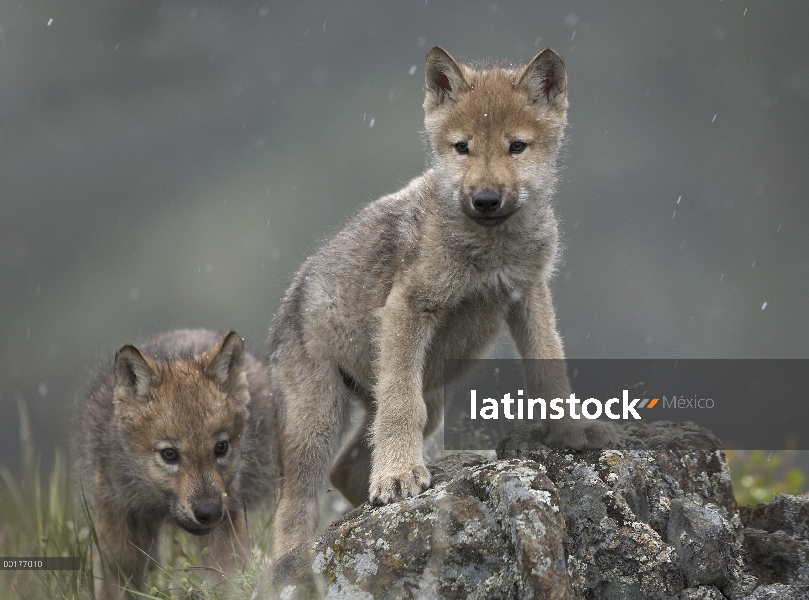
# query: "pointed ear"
224,363
545,79
134,374
444,79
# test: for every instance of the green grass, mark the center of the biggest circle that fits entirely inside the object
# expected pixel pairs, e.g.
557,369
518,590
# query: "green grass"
41,516
37,520
758,475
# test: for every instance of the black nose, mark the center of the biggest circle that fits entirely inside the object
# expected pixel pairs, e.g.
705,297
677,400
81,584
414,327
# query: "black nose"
207,514
486,201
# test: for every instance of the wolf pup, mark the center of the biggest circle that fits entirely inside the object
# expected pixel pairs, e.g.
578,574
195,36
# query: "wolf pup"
430,272
166,432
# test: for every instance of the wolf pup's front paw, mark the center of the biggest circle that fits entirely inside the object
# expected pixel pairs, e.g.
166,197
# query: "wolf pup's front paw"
582,435
393,488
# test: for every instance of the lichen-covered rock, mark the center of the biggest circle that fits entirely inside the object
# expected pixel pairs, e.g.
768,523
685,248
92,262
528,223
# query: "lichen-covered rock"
703,541
777,591
484,530
656,462
654,519
617,505
612,554
776,535
702,592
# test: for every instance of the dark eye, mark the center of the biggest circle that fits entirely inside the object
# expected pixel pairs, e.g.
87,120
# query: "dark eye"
221,448
517,147
170,455
462,148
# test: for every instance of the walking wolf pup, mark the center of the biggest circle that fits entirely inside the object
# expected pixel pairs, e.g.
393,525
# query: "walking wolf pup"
168,430
430,272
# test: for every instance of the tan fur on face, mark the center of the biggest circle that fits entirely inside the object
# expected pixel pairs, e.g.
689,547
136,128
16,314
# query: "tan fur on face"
420,275
187,411
188,391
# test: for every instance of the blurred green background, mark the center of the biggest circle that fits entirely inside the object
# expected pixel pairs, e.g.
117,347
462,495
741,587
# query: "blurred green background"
171,164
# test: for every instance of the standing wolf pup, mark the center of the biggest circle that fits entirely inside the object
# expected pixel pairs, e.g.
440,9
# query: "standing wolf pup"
430,272
165,433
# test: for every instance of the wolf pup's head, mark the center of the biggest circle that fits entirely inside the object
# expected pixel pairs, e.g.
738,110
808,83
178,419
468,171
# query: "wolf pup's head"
495,134
182,421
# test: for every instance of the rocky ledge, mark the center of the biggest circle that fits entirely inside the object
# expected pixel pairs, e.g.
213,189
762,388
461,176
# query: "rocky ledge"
654,519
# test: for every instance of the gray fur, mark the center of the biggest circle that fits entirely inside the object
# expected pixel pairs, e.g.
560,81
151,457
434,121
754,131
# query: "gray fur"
412,280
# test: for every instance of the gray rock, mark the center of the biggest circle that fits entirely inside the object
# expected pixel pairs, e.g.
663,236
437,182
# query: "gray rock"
740,586
654,519
703,592
776,536
484,530
655,463
777,591
612,554
629,554
703,542
789,514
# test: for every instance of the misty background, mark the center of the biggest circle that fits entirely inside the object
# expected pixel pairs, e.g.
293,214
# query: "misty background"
172,164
